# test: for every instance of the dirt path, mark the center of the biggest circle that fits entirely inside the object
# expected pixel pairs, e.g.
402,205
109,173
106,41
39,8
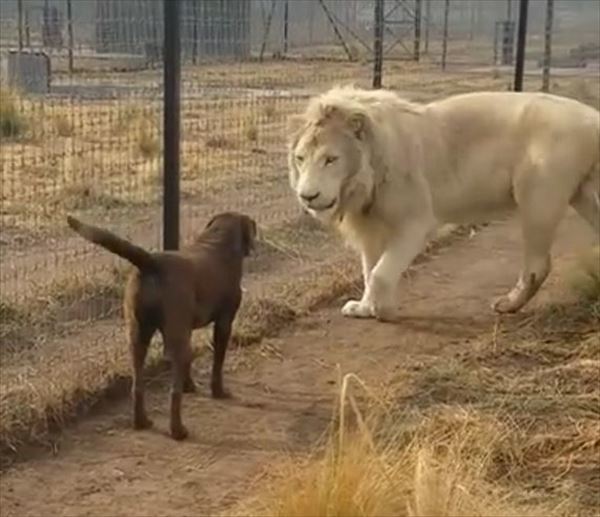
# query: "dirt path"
283,391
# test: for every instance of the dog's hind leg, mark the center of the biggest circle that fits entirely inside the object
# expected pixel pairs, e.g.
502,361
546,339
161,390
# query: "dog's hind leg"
140,335
222,334
178,342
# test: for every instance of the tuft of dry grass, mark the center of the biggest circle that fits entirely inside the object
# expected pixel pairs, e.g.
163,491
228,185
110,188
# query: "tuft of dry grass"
585,279
147,142
251,132
219,142
269,111
64,126
85,196
12,121
401,464
40,389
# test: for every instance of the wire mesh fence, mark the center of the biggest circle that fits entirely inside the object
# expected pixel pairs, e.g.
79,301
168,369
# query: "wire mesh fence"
83,133
82,109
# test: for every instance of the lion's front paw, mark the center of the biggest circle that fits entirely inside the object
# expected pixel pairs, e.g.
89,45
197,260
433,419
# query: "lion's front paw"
357,309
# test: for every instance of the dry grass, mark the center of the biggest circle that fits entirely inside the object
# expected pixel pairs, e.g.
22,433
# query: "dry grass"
219,142
119,144
64,126
251,132
585,278
12,122
407,464
509,426
147,142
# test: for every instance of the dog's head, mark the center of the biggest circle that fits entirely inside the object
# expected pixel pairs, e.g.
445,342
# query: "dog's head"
240,229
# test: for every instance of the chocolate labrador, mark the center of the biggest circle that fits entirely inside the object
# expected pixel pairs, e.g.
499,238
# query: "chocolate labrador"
176,292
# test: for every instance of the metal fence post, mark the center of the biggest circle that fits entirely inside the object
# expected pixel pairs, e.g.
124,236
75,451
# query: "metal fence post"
417,43
521,40
445,35
286,14
378,43
427,24
548,45
70,34
171,106
20,23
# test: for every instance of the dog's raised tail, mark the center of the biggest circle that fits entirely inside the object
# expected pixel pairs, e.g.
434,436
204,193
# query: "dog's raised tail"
139,257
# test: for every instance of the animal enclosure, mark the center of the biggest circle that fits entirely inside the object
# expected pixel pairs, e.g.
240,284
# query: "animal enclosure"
93,147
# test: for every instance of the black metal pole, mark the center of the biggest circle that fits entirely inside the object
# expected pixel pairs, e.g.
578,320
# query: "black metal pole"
20,23
427,23
70,34
286,14
417,42
521,39
445,35
194,32
378,43
27,30
548,45
172,75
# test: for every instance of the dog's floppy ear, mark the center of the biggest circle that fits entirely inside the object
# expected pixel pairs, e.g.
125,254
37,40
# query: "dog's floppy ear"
244,235
248,235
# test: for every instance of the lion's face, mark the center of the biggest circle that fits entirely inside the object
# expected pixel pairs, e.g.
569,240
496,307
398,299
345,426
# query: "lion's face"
325,161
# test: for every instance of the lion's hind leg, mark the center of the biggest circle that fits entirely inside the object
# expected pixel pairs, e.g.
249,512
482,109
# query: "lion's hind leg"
541,206
586,200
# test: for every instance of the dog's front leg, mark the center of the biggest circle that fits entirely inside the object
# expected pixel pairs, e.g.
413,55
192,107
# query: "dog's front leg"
396,258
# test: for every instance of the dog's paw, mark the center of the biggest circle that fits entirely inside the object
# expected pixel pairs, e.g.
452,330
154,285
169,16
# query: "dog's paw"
357,309
141,423
189,386
179,432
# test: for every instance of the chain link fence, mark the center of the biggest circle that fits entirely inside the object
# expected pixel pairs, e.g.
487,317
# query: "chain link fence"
81,125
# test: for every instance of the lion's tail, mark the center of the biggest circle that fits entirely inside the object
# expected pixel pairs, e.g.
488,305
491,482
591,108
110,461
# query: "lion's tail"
139,257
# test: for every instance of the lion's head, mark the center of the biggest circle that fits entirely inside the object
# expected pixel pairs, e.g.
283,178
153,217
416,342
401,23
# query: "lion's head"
329,160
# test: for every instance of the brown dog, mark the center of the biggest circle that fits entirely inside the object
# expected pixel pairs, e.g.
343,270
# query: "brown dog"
176,292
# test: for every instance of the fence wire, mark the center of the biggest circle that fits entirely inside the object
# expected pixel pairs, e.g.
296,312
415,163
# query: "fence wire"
81,114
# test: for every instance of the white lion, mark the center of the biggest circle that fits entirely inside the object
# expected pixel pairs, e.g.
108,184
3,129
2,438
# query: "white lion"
387,172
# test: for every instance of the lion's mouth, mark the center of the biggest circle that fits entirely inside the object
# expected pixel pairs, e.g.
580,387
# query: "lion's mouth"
323,208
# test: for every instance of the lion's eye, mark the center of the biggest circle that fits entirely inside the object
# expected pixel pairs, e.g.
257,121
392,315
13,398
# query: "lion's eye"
330,159
299,158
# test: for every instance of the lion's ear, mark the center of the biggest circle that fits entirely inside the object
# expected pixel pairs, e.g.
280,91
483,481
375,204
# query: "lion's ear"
358,124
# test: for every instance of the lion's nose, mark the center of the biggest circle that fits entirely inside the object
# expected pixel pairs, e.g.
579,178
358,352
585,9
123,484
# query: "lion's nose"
310,197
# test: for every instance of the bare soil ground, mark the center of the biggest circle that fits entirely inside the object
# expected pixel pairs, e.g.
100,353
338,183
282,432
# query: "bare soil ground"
283,392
